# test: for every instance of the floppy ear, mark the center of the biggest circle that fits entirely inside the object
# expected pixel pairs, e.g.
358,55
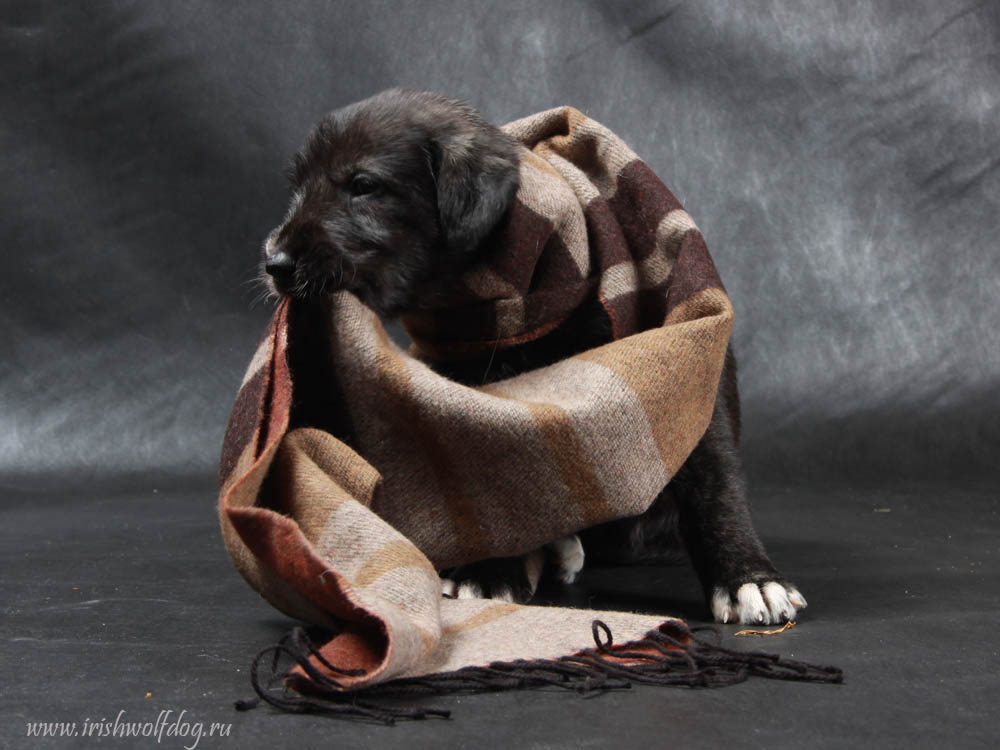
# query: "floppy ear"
476,170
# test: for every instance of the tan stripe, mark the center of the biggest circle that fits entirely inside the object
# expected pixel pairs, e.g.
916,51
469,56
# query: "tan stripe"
484,430
610,432
575,120
691,351
529,129
336,459
671,230
582,184
655,269
550,194
537,162
393,380
613,155
574,467
391,438
247,494
483,617
302,489
398,553
601,153
381,566
261,357
572,230
617,280
486,283
413,592
706,305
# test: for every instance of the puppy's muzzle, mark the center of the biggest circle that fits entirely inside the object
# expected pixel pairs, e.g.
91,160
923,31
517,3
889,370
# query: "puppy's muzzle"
281,266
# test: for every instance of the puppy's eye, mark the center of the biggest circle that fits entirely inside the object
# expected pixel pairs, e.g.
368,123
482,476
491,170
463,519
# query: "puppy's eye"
363,184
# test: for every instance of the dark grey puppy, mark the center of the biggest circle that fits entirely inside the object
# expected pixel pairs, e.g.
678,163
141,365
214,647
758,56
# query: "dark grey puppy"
393,198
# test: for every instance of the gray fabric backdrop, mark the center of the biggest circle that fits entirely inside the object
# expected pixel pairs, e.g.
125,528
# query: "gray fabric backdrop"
841,159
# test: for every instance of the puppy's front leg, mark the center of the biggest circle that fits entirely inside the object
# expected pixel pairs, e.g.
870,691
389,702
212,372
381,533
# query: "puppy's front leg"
740,582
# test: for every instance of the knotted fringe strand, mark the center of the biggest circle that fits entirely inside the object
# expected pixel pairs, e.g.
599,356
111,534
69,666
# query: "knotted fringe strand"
672,655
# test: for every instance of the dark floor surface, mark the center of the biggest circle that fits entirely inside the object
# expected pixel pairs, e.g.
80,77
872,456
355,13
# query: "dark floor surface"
127,602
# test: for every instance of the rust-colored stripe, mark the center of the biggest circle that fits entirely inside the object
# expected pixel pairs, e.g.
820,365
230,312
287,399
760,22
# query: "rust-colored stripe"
574,467
483,617
399,553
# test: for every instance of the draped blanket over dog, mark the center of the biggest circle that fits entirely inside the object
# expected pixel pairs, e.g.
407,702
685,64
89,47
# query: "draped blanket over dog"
352,472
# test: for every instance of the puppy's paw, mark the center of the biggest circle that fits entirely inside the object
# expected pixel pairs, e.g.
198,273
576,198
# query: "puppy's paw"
509,579
757,603
566,558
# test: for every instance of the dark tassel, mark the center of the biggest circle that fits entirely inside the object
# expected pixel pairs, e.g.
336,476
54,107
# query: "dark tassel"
672,655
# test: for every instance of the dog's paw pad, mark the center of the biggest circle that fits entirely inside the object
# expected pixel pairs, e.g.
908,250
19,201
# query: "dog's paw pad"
766,603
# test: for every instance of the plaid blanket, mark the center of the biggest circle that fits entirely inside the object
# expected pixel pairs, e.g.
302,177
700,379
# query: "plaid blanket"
351,472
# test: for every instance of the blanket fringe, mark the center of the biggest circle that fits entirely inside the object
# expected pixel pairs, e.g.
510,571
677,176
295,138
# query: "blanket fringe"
673,655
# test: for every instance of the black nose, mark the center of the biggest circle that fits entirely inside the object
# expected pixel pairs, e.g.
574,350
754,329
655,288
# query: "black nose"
280,265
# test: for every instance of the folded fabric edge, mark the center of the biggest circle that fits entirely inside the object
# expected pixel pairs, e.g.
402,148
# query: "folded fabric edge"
671,655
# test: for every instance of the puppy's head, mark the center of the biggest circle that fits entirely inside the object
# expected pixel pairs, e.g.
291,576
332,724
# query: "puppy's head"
392,198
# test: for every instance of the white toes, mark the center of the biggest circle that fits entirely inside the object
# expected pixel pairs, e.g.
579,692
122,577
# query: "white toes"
503,594
569,557
768,603
750,605
469,590
797,599
722,605
778,604
472,590
534,563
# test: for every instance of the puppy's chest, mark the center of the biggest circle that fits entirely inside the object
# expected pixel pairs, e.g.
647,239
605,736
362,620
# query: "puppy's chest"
587,328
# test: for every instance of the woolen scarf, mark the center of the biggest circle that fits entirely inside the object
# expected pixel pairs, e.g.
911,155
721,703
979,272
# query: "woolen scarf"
352,472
